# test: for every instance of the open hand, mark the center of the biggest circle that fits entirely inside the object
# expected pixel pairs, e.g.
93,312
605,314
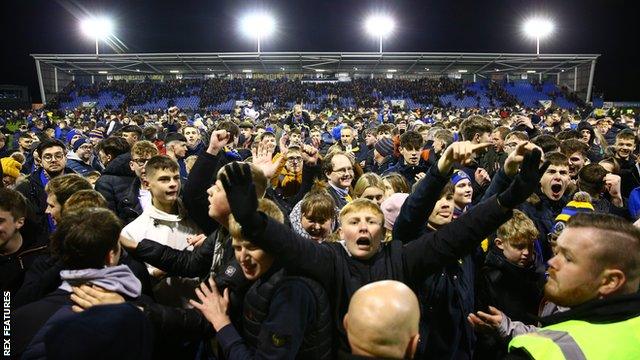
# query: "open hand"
213,306
486,322
237,182
86,296
262,157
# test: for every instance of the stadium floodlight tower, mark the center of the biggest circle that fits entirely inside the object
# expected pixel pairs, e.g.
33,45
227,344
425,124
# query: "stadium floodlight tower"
98,28
379,26
538,28
257,26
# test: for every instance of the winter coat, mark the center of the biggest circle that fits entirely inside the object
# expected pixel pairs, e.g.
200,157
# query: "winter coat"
341,275
115,180
516,291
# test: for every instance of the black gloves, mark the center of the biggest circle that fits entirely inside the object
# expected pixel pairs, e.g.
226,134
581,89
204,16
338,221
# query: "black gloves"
526,182
241,195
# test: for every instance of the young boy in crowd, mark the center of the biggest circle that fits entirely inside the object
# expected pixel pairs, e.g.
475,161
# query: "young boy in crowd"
511,280
411,165
166,222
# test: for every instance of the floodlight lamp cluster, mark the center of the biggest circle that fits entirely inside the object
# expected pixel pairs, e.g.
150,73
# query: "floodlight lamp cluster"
379,25
538,27
258,25
97,27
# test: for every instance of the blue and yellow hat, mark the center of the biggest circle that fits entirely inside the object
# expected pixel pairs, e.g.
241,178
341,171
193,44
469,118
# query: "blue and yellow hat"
581,203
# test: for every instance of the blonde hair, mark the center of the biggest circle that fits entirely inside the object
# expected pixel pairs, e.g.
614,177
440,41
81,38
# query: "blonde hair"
84,199
366,181
144,148
359,205
266,206
520,228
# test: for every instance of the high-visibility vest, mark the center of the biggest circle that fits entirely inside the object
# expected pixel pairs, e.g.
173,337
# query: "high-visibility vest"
581,340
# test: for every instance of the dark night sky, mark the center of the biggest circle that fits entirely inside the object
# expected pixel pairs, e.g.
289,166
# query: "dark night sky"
605,27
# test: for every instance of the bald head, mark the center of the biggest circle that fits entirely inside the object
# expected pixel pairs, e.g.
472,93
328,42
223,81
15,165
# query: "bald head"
382,320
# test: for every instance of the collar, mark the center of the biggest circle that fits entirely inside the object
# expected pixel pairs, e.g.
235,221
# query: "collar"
608,310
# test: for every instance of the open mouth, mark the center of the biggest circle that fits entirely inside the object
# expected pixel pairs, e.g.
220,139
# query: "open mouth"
364,243
171,193
556,189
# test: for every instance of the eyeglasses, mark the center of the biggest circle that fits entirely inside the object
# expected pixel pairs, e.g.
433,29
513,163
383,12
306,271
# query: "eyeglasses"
344,170
50,157
141,162
295,159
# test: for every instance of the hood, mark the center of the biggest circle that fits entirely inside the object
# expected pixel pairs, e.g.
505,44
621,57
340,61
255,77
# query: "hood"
120,166
583,125
119,279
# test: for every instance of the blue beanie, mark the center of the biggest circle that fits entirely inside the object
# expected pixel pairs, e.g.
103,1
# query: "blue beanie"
79,142
71,134
336,131
459,175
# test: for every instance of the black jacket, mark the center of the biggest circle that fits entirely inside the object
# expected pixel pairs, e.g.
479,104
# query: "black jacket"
341,275
515,290
13,267
128,207
115,180
33,190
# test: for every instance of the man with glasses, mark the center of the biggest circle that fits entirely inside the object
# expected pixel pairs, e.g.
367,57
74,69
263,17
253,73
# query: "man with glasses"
82,160
53,156
338,169
288,182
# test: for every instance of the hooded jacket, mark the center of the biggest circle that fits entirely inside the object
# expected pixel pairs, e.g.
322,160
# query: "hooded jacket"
29,319
115,180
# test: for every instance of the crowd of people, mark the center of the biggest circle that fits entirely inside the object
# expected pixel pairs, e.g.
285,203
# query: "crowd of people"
364,92
373,232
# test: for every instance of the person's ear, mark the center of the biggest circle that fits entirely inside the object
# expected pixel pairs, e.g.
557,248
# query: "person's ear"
131,165
499,243
612,281
412,347
20,223
340,233
112,258
345,322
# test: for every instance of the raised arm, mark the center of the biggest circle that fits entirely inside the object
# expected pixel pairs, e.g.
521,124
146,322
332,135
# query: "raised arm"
300,255
202,175
434,250
503,176
414,214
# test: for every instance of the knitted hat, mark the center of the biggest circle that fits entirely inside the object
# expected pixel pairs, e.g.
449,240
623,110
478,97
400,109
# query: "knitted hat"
391,208
581,203
10,167
384,147
96,134
71,134
459,175
79,142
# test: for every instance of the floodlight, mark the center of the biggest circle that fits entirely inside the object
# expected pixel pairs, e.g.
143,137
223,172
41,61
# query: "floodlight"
379,26
257,26
98,28
538,28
